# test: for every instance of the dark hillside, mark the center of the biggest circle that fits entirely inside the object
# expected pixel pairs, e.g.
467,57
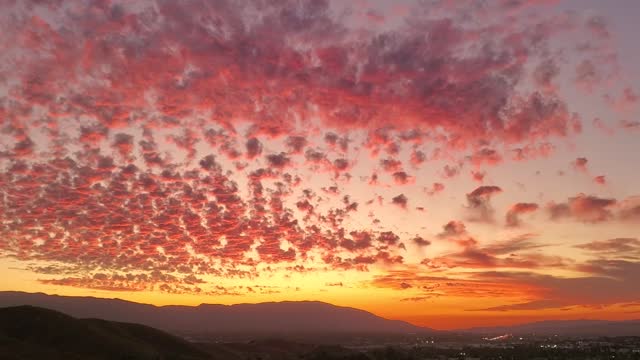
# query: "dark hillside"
28,332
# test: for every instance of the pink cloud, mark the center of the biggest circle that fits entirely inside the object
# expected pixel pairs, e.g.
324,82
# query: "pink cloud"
478,176
580,164
619,246
402,178
585,208
486,156
435,188
478,203
512,217
400,200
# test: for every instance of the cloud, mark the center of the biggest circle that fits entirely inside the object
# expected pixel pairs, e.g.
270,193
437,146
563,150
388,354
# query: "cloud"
188,284
513,245
528,152
435,188
427,285
181,222
334,140
485,157
512,217
123,143
400,200
146,139
391,165
630,125
584,208
629,209
478,203
296,144
512,253
417,157
598,26
183,81
420,241
531,305
315,157
603,126
340,165
278,161
587,75
478,176
627,101
254,148
450,171
402,178
616,246
93,134
545,73
606,282
580,164
515,252
453,229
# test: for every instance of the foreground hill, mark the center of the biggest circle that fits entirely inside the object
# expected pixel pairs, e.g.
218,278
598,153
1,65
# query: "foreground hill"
28,332
306,317
584,328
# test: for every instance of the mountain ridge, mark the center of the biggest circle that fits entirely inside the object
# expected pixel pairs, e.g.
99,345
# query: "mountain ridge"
577,327
303,317
269,317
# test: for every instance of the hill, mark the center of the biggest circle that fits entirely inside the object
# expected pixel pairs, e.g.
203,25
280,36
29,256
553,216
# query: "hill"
28,332
281,318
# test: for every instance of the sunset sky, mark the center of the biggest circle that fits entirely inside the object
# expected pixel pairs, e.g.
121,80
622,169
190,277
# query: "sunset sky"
447,163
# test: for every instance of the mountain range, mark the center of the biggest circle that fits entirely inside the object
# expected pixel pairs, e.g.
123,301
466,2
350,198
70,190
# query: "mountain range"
285,318
288,317
577,328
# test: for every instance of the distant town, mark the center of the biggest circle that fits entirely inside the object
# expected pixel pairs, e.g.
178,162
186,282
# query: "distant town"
509,347
450,347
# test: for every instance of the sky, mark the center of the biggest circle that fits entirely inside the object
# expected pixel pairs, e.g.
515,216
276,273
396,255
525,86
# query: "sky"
448,163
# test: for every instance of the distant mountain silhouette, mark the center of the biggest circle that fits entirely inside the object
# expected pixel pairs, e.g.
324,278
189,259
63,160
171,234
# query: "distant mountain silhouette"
305,317
567,328
28,332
